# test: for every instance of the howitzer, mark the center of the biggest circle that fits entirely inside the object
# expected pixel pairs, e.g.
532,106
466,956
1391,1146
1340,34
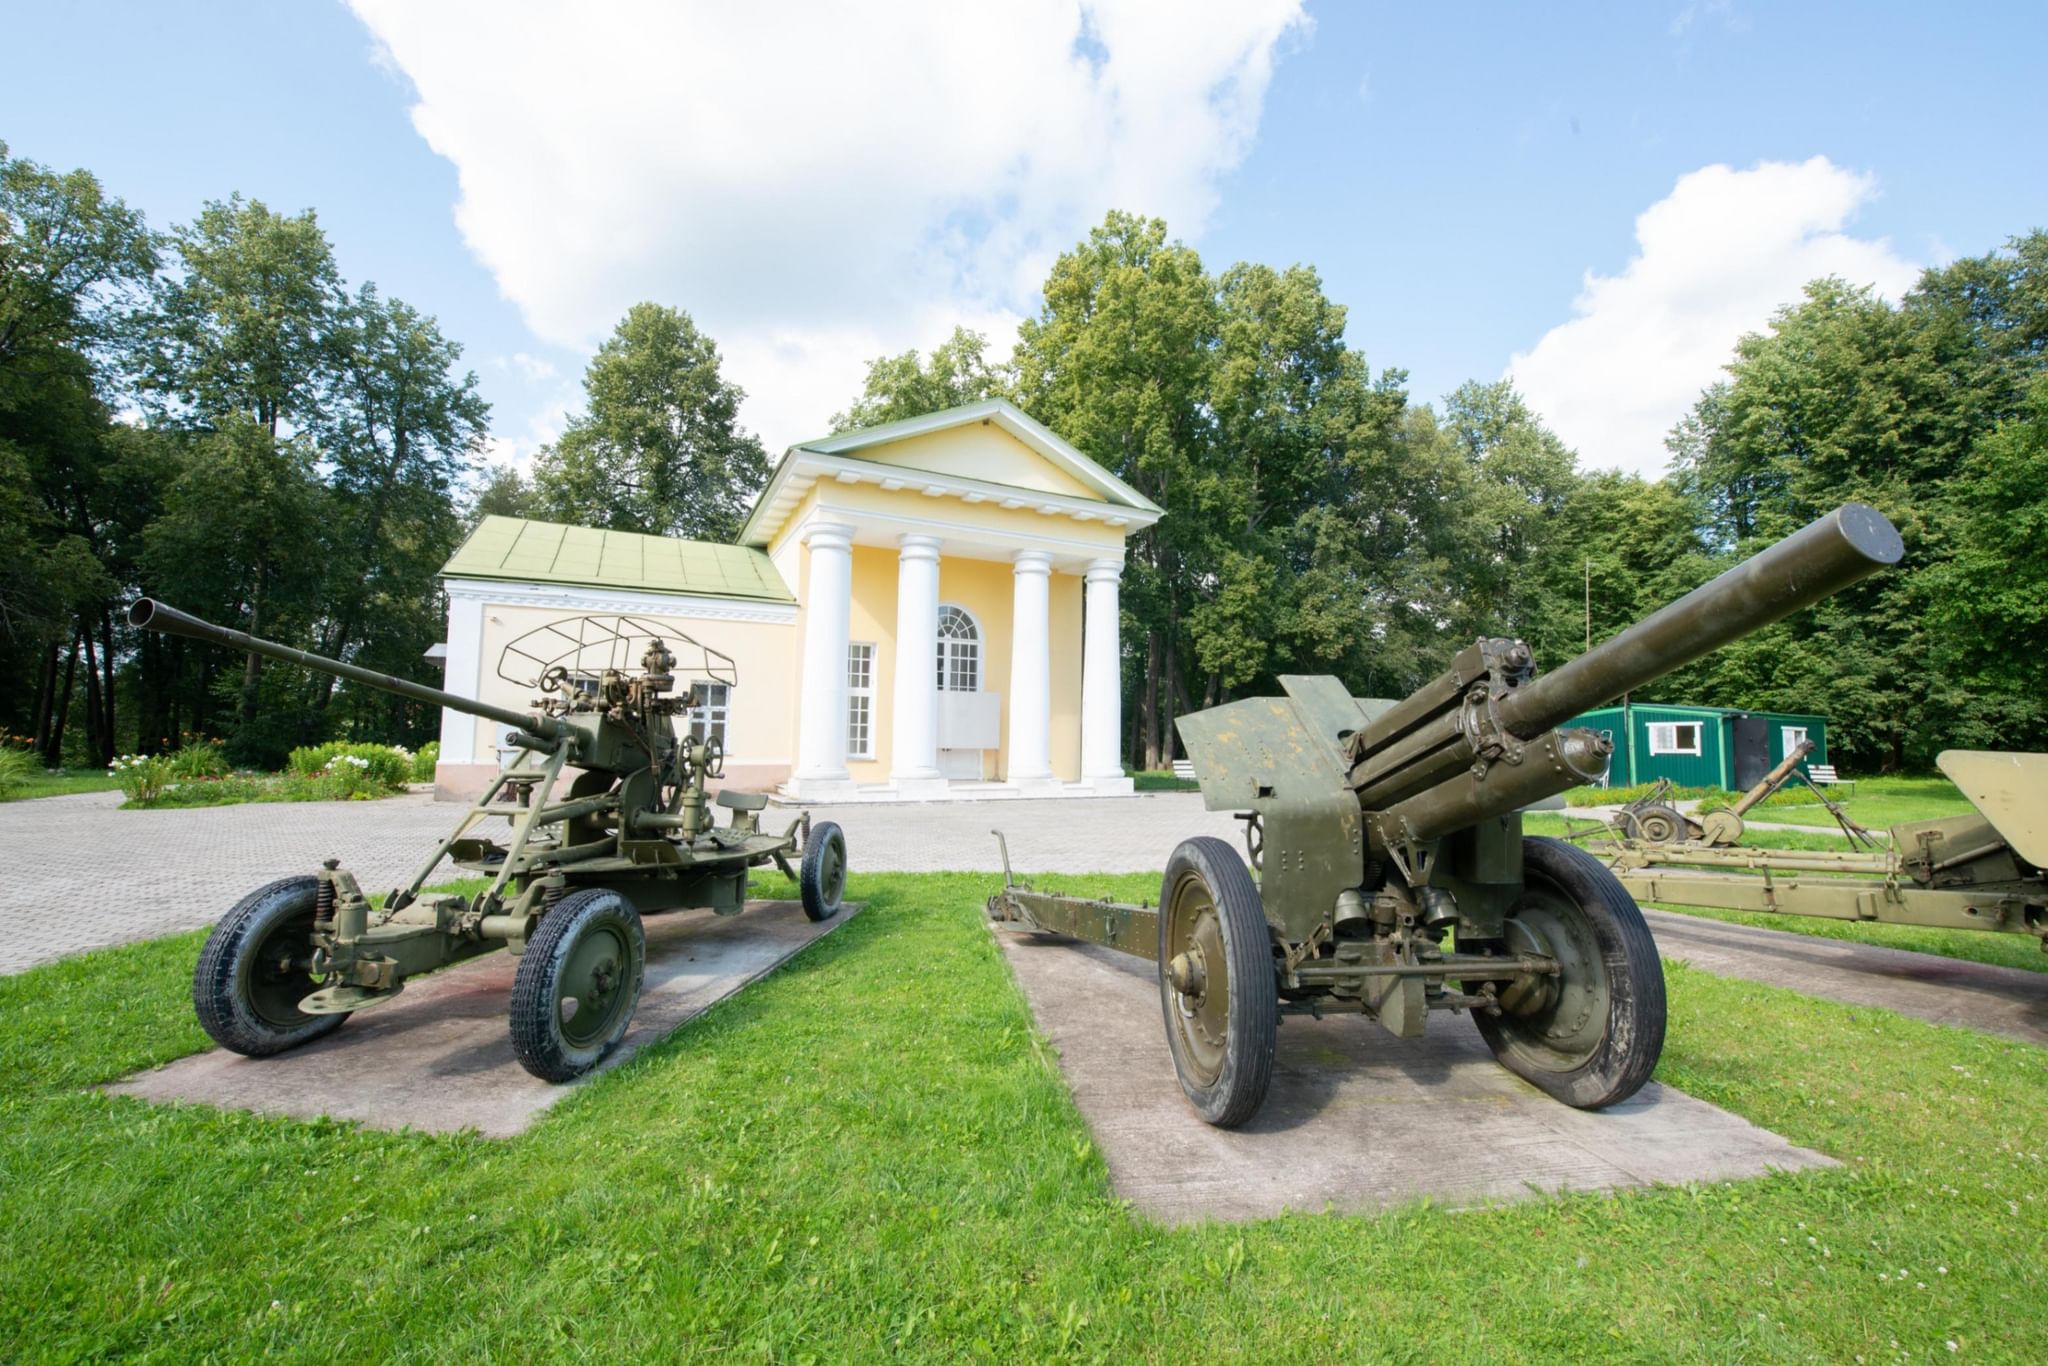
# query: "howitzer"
1380,829
1653,819
633,835
1975,872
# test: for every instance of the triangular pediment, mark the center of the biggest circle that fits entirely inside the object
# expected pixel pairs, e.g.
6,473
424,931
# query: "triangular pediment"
988,452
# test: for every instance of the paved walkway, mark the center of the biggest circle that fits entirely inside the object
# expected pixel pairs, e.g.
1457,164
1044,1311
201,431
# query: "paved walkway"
1951,991
81,874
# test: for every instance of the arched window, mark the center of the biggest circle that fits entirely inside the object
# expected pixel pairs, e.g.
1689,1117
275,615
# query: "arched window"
959,651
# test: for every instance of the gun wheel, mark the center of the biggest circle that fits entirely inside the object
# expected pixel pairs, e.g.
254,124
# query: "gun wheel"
577,984
1590,1035
1655,825
822,878
257,967
1217,988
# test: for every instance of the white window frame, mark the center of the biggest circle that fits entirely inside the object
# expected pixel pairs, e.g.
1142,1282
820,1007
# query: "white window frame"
715,716
1792,737
949,649
860,699
1664,737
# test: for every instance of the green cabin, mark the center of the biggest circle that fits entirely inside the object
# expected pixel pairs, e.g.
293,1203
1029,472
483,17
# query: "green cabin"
1701,746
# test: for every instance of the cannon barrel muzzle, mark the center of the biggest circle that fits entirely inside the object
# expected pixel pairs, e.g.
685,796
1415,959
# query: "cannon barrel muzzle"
155,616
1813,563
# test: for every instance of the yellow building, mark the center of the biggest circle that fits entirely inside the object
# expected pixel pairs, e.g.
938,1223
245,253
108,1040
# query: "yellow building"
917,611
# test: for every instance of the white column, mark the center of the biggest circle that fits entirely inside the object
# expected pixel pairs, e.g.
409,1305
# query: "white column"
914,718
1031,670
1102,707
828,603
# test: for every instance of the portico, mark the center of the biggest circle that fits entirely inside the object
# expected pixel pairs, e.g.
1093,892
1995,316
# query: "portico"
957,579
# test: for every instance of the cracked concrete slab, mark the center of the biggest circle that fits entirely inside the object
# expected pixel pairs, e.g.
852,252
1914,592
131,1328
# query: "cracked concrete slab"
1353,1111
439,1057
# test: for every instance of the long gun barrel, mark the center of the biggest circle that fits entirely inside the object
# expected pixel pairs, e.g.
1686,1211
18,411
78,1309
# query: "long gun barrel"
1426,760
155,616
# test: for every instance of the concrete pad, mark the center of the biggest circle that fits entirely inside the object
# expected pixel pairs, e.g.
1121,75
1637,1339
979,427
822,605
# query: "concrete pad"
439,1057
1951,991
1353,1112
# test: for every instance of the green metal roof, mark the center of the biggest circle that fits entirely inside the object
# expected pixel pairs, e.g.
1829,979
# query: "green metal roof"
592,557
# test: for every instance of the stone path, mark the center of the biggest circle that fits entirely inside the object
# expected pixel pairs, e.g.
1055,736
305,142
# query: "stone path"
81,874
1951,991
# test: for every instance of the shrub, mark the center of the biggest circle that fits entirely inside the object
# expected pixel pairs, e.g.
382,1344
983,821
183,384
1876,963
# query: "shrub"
423,763
199,759
142,777
17,766
385,768
225,791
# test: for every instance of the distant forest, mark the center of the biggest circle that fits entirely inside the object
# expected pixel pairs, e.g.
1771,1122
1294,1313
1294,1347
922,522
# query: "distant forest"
212,415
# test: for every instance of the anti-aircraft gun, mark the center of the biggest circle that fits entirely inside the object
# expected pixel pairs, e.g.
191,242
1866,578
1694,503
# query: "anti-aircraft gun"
633,835
1379,829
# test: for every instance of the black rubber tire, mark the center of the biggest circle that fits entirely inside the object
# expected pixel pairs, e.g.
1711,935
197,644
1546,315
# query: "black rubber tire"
1252,1014
1633,1037
243,1006
543,1046
822,877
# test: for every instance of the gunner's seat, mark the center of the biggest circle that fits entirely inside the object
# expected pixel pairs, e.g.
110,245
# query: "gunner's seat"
741,801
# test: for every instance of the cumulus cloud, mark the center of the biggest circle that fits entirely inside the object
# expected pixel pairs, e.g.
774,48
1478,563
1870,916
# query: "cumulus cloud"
1714,259
818,184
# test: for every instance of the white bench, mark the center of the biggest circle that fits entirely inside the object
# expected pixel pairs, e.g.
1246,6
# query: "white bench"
1823,775
1184,769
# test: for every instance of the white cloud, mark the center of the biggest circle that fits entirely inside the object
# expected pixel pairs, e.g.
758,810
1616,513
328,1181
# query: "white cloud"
1714,259
819,184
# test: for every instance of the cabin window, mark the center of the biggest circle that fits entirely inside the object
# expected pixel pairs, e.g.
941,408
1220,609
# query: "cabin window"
860,700
1674,737
1794,737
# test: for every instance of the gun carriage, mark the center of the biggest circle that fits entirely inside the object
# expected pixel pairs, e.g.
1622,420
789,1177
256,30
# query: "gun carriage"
633,834
1392,875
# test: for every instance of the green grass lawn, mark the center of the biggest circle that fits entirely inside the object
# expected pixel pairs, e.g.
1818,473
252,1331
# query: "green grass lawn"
1160,780
870,1155
1878,804
45,784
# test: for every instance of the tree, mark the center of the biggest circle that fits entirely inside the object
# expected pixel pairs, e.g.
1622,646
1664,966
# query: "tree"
500,491
659,448
897,387
72,261
399,430
1117,362
243,325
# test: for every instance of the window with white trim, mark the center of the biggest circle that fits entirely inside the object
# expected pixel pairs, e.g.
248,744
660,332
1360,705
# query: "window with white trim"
1793,736
707,720
860,700
1674,737
959,651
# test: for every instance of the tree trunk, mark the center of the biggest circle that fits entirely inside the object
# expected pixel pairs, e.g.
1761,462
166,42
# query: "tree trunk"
1148,702
46,693
53,753
107,682
252,664
95,739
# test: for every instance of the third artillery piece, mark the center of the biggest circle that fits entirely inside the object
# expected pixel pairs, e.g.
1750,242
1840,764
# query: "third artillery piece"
1380,828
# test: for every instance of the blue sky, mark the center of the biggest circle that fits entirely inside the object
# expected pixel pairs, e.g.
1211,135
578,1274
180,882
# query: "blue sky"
1488,188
